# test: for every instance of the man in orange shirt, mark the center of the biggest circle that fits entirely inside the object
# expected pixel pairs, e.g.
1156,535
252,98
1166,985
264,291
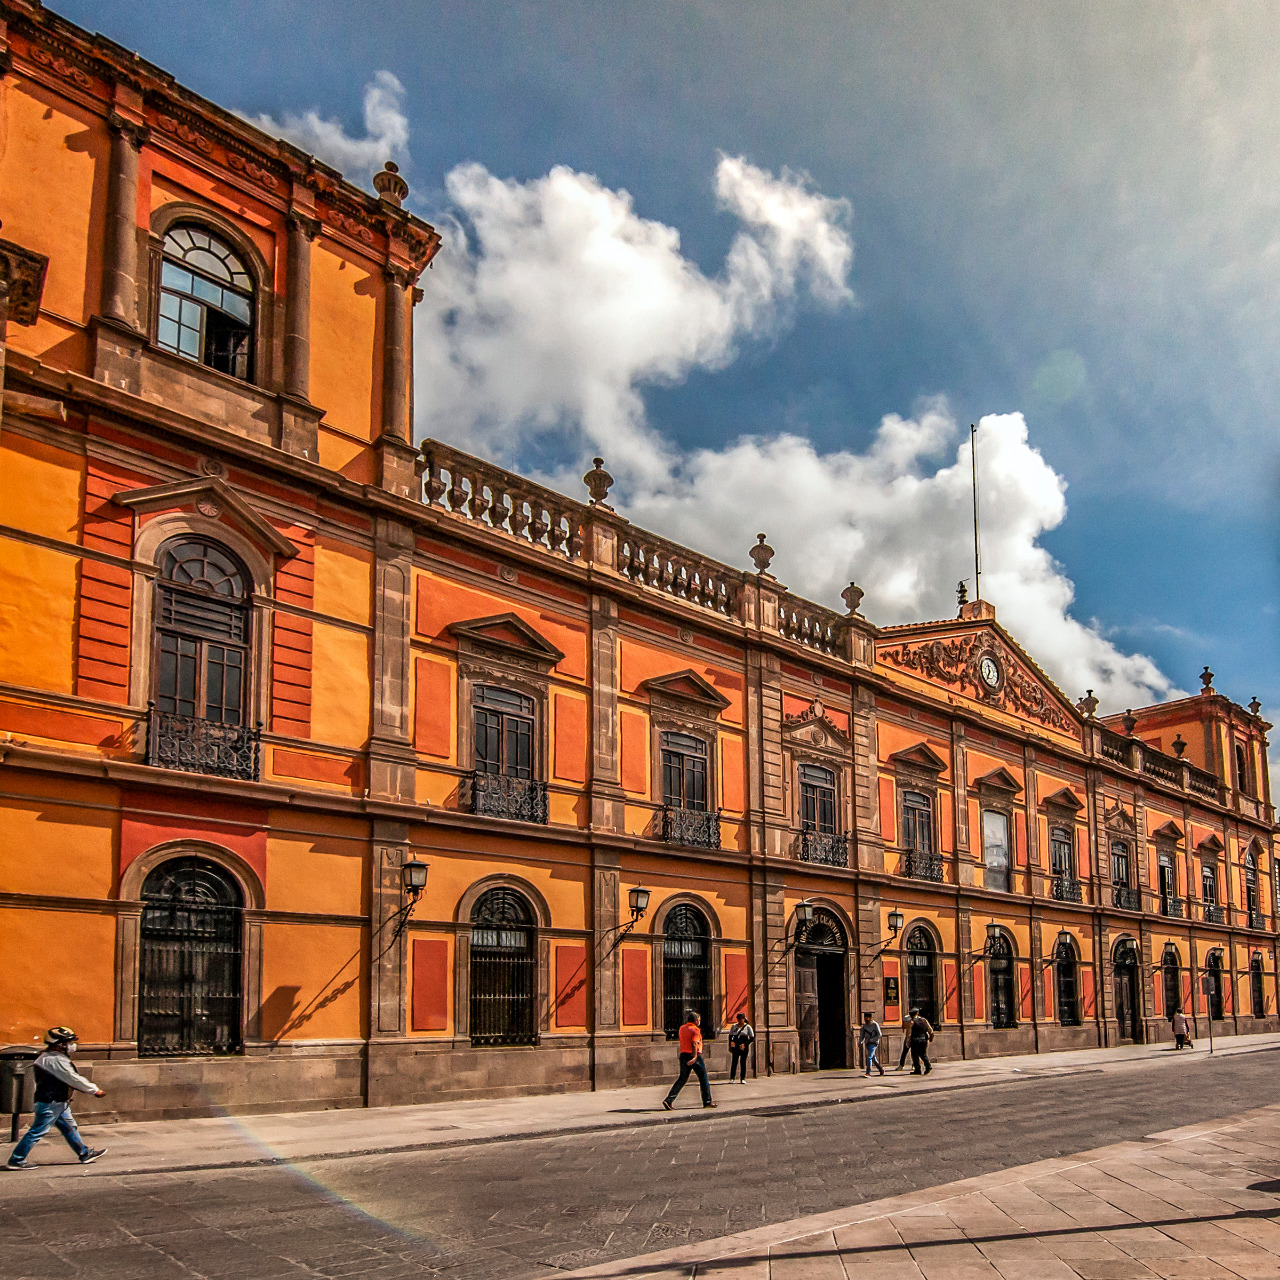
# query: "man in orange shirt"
690,1060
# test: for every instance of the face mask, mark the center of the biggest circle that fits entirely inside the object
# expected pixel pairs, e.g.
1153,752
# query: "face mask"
71,1048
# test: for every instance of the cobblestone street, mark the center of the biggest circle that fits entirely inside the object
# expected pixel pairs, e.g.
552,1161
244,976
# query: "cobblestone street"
549,1205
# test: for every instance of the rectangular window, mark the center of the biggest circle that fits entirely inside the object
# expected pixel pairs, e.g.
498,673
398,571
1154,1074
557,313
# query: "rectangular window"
1060,853
1120,863
684,772
917,823
1209,883
817,799
995,849
1168,880
503,724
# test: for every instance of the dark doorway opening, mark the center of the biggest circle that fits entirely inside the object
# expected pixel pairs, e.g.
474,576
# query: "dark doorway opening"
821,997
1128,1023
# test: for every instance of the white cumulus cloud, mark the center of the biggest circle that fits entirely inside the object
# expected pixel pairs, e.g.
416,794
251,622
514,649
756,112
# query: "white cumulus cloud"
385,123
554,304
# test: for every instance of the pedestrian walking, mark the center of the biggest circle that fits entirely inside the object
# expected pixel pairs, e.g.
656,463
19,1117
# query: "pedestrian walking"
869,1036
690,1060
906,1038
921,1034
1181,1030
741,1037
55,1080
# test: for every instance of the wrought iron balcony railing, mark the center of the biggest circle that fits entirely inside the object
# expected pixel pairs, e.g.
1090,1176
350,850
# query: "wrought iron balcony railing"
1214,914
1066,889
693,827
922,866
193,745
1257,920
1125,898
828,849
495,795
1171,907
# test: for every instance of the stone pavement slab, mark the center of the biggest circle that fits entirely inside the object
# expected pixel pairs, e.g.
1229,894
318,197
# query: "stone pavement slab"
1200,1202
234,1141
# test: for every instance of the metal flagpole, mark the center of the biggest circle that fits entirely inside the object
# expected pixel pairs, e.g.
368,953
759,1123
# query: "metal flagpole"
977,564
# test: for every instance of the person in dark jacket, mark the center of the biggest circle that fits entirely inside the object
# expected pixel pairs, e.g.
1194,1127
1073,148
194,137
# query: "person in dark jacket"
741,1037
920,1035
56,1078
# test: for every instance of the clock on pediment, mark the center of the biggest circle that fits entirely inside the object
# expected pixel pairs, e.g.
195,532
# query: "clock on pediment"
990,672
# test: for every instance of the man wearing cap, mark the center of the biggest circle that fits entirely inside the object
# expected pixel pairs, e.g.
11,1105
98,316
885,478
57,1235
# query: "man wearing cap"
55,1079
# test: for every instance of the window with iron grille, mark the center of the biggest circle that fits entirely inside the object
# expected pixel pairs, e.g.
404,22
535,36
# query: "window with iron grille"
1168,881
503,971
1170,971
686,970
1066,971
1255,987
1209,883
995,849
202,632
1250,884
1213,971
206,302
1004,1011
917,824
684,772
922,981
817,799
189,963
503,732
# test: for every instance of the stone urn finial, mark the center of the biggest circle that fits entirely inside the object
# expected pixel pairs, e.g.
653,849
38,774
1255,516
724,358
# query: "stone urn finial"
1130,722
1178,746
1255,707
761,554
962,593
852,597
389,185
598,482
1206,681
1087,705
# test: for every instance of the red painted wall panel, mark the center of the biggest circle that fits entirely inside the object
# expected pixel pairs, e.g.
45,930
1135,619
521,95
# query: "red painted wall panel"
1024,975
737,987
432,721
979,991
430,984
635,987
951,997
1086,992
571,985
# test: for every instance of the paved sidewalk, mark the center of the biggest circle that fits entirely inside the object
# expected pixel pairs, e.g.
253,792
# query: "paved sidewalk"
1193,1203
235,1141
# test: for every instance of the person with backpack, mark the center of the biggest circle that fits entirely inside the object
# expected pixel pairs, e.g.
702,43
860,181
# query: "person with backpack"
741,1037
869,1037
56,1078
918,1038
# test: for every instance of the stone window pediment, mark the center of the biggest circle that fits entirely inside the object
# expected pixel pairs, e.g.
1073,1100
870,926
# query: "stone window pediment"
687,692
1170,831
919,759
1210,847
1064,800
814,732
216,500
509,638
1117,818
999,783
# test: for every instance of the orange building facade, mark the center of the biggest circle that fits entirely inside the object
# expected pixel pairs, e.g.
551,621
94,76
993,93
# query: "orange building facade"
263,660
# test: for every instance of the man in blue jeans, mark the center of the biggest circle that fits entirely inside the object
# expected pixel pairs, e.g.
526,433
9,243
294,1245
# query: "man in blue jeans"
690,1060
55,1080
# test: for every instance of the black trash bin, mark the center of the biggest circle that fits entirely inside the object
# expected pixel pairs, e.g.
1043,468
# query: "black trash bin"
17,1083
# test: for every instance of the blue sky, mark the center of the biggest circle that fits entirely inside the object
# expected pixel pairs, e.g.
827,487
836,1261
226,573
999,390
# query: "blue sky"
1067,212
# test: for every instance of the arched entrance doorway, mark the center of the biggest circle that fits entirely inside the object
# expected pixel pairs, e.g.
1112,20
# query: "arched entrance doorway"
1170,974
1213,971
686,970
1128,1005
922,983
821,999
190,977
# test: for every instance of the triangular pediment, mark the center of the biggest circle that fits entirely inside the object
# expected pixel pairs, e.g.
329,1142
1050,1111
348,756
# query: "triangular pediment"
687,686
921,756
979,660
1064,799
813,727
1119,819
1210,846
508,633
1169,831
998,780
214,499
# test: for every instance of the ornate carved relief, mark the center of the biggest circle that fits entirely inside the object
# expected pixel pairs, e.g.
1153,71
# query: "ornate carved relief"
184,133
255,171
814,732
1117,818
59,66
962,662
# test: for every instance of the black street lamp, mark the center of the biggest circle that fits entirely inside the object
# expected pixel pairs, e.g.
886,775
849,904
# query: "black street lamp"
413,879
638,901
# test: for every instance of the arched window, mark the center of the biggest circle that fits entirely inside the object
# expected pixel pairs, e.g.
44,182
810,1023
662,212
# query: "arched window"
206,302
503,970
1213,971
1066,972
686,970
922,978
202,632
1255,986
1171,979
1004,1009
190,977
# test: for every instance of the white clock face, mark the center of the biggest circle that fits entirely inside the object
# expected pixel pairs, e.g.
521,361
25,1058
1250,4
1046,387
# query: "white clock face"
989,670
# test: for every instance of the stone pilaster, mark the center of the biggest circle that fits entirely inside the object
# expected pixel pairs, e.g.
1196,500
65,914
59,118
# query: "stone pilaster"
387,959
606,917
868,837
965,856
392,763
299,422
606,796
